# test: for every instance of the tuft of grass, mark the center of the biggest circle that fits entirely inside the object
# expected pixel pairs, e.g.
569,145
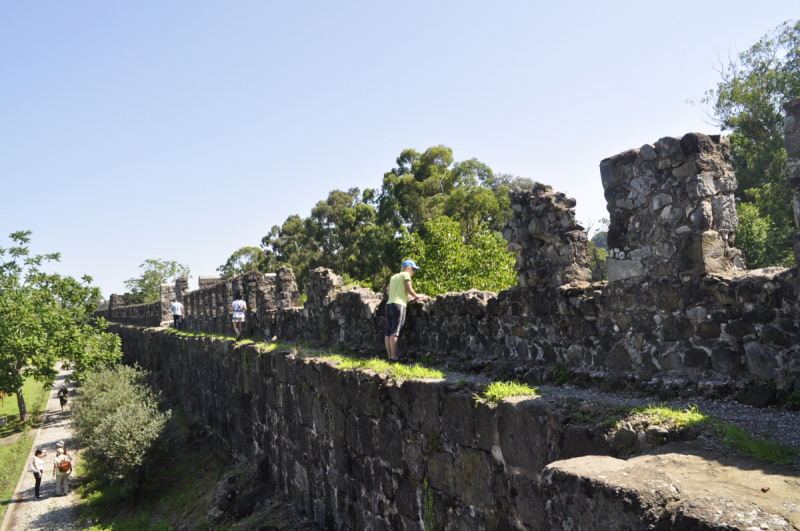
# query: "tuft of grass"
761,449
396,370
274,346
496,391
793,402
560,373
660,415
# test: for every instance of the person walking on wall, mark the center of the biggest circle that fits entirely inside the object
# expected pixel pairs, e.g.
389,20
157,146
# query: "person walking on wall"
398,292
239,308
37,467
62,468
177,314
63,397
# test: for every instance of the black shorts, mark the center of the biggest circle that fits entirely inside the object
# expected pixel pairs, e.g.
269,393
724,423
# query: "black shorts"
395,317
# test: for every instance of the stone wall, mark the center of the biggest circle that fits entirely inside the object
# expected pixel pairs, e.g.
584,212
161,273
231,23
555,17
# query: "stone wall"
679,314
355,450
148,314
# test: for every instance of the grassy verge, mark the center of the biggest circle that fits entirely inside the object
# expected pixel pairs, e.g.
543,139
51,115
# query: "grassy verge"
395,370
17,438
761,448
496,391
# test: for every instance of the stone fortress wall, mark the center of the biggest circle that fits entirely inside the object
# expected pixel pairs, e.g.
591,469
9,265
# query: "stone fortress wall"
679,314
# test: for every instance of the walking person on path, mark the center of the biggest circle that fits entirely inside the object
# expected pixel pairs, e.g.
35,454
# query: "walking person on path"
398,292
37,467
63,397
177,314
239,308
62,467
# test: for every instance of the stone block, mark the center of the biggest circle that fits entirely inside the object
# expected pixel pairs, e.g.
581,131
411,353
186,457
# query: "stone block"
705,254
472,483
632,497
724,210
521,435
622,269
701,186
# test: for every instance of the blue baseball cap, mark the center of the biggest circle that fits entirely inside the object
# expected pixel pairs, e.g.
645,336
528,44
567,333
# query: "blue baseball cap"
410,263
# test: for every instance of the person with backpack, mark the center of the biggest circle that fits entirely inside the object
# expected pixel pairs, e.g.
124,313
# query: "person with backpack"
37,467
62,468
239,308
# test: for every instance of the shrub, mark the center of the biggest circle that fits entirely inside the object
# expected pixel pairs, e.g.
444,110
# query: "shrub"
116,417
496,391
793,402
560,373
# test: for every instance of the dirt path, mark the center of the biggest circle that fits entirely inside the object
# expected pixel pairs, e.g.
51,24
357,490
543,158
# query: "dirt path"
51,512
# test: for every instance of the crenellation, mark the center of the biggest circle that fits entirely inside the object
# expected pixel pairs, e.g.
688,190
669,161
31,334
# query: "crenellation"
672,210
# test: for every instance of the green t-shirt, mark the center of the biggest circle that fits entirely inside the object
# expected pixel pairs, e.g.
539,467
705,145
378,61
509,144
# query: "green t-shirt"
397,289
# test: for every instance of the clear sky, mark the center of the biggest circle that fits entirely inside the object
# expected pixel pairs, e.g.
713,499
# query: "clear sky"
185,130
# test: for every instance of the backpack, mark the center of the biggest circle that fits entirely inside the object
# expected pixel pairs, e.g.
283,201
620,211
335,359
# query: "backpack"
64,465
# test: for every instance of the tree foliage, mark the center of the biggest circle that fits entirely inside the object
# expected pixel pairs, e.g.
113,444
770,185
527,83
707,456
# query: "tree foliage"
359,233
241,261
748,103
147,288
117,418
44,318
448,263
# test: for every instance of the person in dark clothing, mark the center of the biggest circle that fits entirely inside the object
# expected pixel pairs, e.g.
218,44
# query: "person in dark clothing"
63,397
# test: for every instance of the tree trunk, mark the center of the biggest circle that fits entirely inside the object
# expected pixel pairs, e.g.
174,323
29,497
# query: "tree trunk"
23,411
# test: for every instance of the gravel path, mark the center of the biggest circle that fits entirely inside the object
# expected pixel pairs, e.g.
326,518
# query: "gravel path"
51,512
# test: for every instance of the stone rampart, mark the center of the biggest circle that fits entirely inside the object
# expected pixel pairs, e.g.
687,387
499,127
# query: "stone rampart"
147,314
679,314
356,450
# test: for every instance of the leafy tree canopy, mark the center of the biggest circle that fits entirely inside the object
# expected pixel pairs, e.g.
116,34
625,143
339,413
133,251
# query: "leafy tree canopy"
447,263
45,318
747,101
245,259
358,233
147,288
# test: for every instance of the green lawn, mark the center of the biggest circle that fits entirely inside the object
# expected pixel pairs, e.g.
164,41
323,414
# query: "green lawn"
16,438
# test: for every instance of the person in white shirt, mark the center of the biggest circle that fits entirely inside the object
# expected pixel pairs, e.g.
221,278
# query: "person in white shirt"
177,314
37,467
239,308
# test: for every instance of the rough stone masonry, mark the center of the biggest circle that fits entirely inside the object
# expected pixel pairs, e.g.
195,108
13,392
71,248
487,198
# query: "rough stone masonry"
679,314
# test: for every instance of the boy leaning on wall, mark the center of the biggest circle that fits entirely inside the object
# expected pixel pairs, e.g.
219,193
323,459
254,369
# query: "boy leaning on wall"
398,292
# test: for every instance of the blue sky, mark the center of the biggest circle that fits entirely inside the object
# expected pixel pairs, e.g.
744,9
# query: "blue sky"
185,130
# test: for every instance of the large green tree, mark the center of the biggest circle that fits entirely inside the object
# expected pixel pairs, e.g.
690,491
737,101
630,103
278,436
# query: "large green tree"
241,261
147,287
44,318
359,234
747,101
448,263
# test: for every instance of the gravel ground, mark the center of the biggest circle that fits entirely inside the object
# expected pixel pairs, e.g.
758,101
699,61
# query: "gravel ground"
51,512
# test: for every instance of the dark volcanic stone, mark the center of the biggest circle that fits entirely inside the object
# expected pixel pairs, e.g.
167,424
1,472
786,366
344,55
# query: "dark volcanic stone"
757,395
739,329
726,361
677,328
697,358
247,503
708,330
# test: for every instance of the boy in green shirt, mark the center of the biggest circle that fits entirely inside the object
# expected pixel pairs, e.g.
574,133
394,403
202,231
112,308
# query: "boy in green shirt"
398,291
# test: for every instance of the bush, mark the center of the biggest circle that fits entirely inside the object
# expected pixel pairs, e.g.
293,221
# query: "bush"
116,417
793,403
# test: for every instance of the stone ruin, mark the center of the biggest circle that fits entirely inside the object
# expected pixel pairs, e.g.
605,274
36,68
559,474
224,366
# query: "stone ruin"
679,315
672,209
792,133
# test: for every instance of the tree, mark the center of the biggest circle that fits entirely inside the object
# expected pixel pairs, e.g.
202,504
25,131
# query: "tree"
147,288
449,264
43,318
245,259
748,103
598,248
116,417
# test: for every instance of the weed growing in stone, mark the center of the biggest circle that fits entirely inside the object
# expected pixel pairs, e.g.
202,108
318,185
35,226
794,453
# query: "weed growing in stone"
661,415
496,391
274,347
761,449
793,402
560,373
429,515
